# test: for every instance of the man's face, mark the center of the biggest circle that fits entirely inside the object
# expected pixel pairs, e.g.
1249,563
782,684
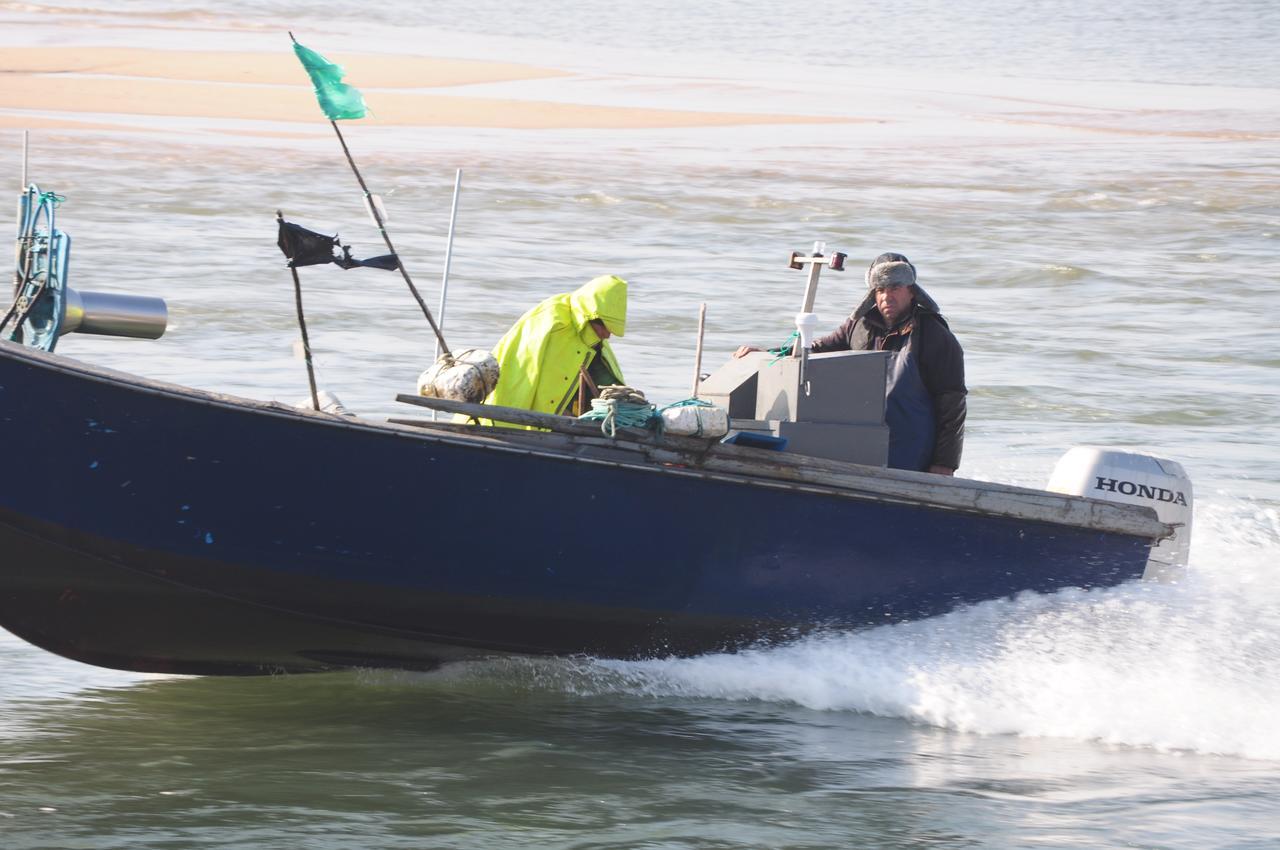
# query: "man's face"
599,327
893,302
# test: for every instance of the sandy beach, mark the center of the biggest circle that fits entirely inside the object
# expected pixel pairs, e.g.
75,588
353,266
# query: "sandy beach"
400,91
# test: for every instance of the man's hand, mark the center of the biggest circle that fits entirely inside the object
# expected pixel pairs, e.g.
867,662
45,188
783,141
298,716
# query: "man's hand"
744,350
942,470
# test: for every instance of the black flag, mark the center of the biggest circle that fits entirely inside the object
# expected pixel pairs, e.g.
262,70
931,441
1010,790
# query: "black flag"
307,248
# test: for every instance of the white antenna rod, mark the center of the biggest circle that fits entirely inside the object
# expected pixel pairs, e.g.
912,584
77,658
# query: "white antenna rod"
26,136
448,252
448,260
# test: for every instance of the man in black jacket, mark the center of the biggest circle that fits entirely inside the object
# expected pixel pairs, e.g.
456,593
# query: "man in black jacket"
925,390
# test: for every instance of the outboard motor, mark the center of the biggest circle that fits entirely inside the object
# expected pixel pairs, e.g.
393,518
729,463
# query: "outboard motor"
1135,479
44,307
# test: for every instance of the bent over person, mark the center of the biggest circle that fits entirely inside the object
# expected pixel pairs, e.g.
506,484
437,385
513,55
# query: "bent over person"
557,355
925,390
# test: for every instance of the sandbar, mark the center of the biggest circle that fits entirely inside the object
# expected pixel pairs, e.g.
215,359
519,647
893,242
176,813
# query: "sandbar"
400,91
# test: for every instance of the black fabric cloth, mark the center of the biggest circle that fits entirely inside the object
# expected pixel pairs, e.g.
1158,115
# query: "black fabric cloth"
307,248
941,362
601,375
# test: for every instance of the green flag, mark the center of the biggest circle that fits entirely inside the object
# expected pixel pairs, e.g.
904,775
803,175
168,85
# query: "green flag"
337,99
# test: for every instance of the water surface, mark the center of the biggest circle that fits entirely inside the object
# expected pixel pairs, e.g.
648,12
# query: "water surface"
1090,194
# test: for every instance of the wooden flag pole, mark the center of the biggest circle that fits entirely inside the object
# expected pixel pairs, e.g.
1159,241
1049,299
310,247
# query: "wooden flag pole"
302,325
382,228
697,364
368,196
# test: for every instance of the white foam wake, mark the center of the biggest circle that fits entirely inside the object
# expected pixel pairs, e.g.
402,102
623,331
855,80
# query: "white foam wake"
1193,666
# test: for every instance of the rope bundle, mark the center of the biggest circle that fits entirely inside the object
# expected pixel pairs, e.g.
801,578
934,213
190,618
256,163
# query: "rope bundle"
626,407
620,405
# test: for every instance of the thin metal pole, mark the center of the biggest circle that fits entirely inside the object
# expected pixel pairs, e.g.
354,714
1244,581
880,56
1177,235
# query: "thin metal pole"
448,260
377,217
21,243
448,249
302,325
697,364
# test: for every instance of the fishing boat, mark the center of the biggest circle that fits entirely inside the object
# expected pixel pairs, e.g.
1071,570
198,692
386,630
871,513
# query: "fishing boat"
153,527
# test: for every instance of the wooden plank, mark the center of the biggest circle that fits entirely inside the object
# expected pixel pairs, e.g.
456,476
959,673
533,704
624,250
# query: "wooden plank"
556,423
957,494
456,427
498,413
737,463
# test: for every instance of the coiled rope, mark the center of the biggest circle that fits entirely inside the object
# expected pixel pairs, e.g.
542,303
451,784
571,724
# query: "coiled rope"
620,405
626,407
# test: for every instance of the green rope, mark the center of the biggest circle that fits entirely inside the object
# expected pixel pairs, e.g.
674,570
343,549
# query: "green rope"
620,406
688,402
51,198
784,349
613,414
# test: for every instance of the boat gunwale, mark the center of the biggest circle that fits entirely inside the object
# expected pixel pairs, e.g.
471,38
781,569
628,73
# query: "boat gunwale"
732,464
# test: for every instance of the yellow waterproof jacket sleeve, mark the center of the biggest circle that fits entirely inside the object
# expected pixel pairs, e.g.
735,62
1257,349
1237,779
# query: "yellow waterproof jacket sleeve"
541,355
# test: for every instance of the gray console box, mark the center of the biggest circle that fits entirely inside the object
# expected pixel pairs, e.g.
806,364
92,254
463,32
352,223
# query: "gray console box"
840,386
836,412
865,444
733,385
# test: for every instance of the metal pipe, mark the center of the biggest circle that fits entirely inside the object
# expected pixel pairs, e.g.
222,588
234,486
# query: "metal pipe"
109,314
448,261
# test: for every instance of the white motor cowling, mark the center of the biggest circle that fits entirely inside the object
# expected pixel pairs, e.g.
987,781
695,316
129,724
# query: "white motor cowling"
1134,479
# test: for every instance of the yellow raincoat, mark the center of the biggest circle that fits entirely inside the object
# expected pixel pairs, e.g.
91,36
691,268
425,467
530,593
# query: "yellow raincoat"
541,356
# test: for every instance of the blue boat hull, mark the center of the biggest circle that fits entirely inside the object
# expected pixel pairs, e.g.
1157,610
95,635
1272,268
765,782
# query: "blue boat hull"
154,528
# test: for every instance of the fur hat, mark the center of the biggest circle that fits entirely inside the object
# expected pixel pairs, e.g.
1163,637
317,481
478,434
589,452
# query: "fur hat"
890,270
921,297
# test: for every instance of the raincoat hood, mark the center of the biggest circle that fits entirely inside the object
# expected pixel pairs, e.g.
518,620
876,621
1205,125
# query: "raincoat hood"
603,298
541,357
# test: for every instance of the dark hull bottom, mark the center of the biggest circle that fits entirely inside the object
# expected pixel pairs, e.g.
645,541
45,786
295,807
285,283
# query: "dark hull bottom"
84,608
112,606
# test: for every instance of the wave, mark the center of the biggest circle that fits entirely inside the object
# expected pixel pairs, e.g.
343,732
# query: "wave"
1192,666
154,16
